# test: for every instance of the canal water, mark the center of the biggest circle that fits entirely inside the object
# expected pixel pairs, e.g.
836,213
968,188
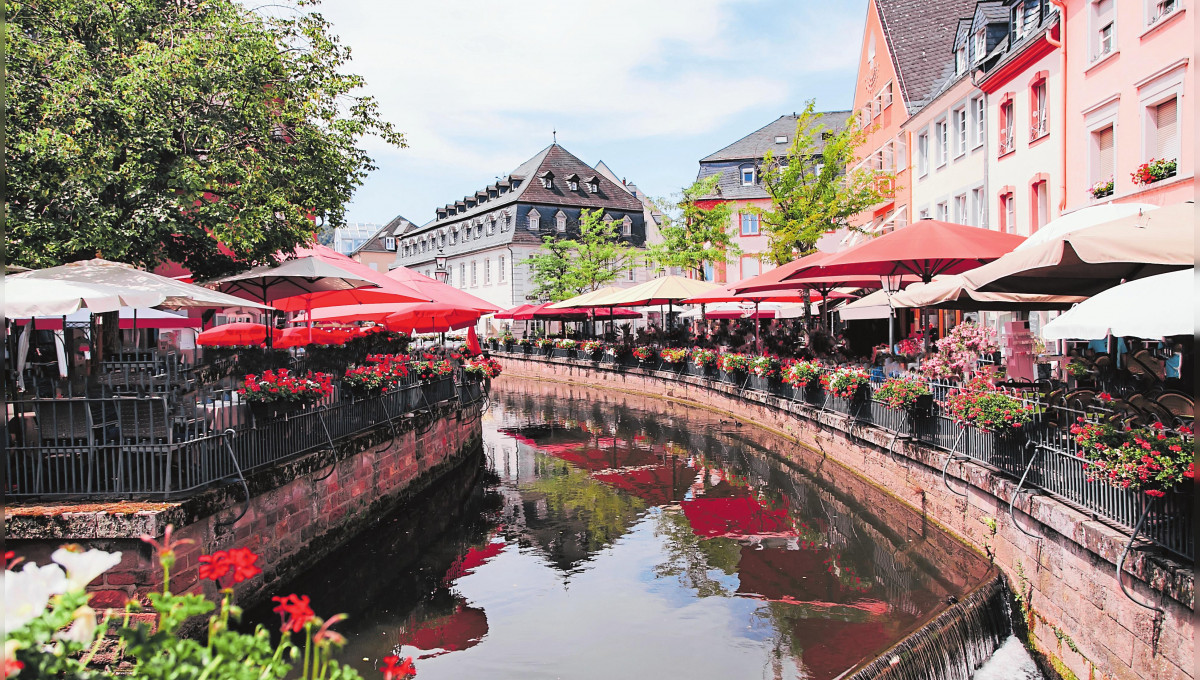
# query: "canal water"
604,535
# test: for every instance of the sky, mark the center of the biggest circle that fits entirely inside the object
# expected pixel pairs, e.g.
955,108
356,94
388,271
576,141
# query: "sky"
647,86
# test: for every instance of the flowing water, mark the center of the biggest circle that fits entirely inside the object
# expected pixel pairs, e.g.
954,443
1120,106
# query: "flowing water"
603,535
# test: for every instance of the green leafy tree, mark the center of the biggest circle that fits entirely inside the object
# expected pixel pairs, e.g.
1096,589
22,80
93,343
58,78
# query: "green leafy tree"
551,267
811,190
598,255
694,235
150,131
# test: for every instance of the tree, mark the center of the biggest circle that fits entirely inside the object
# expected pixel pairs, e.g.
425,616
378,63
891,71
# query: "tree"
150,131
551,266
567,267
812,192
598,256
694,235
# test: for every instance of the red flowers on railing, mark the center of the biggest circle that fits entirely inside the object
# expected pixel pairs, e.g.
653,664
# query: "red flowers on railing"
982,404
901,393
488,368
1151,459
802,373
281,386
732,362
846,382
674,355
433,369
1153,171
382,372
643,352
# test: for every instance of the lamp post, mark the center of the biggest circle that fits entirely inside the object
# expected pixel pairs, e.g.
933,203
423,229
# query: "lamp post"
891,286
441,273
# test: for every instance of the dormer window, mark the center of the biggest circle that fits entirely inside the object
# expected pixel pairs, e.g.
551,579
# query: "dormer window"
504,220
593,184
626,226
454,236
747,175
547,178
980,44
572,182
441,214
560,221
470,202
491,225
960,60
535,219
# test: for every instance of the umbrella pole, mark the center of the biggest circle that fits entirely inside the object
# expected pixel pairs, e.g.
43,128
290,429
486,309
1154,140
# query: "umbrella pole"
757,329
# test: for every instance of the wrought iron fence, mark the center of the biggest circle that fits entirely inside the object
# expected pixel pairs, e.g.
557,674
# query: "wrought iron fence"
163,446
1044,454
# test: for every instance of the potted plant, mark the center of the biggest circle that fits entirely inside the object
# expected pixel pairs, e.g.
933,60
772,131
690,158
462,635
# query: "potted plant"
851,384
1152,459
483,370
733,366
764,370
1153,170
804,376
382,373
644,353
592,349
565,348
617,352
703,360
278,393
981,404
676,357
1077,373
1102,188
544,345
905,394
526,345
507,340
430,372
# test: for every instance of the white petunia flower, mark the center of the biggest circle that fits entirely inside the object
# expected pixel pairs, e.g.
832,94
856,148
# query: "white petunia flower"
83,627
83,567
27,592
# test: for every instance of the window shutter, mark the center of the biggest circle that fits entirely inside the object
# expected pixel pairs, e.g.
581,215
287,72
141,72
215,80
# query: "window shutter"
1105,142
1167,122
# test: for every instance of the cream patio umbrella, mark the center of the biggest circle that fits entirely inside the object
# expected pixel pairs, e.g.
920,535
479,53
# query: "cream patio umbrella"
1090,260
1154,307
26,297
952,292
665,290
174,293
585,299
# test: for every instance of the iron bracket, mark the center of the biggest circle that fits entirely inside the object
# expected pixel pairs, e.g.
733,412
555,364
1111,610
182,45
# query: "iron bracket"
954,455
228,434
1146,505
1012,502
332,448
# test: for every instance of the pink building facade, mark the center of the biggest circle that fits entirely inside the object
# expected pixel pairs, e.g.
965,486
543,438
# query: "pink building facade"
1128,98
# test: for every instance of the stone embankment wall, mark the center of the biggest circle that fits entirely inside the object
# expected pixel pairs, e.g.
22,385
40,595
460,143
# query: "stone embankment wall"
1063,575
298,511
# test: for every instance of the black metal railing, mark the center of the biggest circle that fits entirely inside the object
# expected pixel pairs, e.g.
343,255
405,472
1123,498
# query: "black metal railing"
164,445
1045,453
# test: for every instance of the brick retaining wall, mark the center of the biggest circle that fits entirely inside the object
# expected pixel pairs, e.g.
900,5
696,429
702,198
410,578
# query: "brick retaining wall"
299,511
1078,618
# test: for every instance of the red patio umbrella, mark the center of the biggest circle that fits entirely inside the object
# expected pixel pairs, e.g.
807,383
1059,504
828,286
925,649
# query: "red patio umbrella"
239,334
440,292
430,317
299,336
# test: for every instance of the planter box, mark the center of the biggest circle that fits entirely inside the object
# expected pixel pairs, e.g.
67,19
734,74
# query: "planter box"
734,378
699,371
763,384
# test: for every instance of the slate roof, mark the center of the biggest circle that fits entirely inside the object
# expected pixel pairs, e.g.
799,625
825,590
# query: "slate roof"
397,226
920,39
728,161
756,144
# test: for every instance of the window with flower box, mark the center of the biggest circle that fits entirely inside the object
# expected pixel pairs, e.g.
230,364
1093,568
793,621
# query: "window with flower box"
1157,10
1162,121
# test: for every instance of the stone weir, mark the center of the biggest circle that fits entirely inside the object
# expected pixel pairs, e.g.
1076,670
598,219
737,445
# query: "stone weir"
1058,562
298,511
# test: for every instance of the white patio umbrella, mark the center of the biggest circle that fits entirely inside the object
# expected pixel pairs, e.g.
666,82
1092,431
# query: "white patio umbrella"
171,292
1082,219
1150,308
26,296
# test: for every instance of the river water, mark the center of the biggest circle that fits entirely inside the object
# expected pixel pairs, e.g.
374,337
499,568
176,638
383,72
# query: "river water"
603,535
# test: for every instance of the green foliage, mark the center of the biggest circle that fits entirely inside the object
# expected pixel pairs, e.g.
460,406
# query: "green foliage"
148,130
694,235
565,268
811,190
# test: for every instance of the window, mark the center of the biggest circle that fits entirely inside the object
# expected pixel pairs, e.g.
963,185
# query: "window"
389,243
943,211
573,185
960,130
941,134
535,219
748,175
980,207
626,226
504,221
751,266
474,273
1006,127
749,224
560,221
462,275
491,225
1102,154
1163,133
1039,198
633,273
923,153
977,105
500,274
980,44
885,96
1008,213
487,271
1016,22
781,139
960,60
1157,9
887,161
1104,22
924,214
960,209
1037,111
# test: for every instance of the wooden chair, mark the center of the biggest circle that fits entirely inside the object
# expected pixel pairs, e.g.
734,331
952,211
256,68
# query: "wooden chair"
1179,405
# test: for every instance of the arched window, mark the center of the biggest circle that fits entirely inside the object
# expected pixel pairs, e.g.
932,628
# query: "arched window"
560,221
535,219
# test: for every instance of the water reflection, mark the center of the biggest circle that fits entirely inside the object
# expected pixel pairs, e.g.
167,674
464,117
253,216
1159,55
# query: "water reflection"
605,537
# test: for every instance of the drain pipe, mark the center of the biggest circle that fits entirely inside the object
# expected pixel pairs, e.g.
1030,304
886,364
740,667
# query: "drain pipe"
1061,44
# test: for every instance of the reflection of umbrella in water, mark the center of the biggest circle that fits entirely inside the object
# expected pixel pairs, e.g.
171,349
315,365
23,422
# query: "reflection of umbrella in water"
471,560
464,628
657,485
800,577
736,517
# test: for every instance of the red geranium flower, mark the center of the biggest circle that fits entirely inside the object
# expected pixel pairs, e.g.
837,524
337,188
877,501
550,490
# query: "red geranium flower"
214,567
242,562
294,611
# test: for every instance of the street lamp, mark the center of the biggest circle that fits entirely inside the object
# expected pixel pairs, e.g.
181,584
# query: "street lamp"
891,286
441,273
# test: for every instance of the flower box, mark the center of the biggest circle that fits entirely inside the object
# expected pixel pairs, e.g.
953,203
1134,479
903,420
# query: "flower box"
1155,170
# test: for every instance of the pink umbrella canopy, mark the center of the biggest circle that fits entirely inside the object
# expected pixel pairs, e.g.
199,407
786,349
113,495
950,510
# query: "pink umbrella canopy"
440,292
240,334
730,294
547,312
298,337
511,313
384,289
430,317
806,274
924,249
